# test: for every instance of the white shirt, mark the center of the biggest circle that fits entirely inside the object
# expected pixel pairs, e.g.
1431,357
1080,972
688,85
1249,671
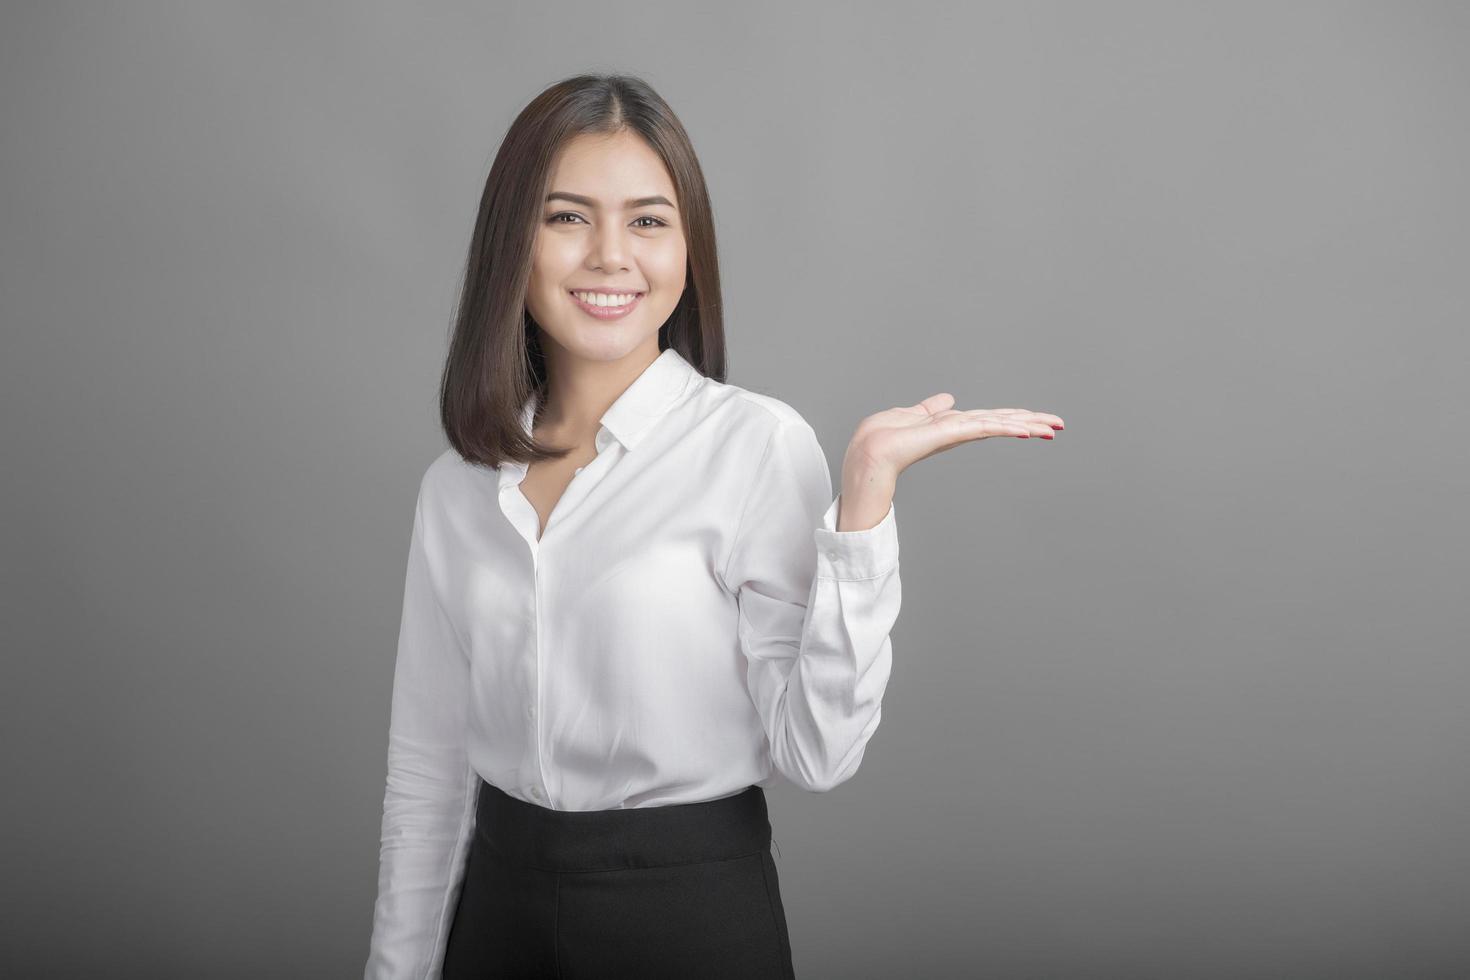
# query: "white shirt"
689,623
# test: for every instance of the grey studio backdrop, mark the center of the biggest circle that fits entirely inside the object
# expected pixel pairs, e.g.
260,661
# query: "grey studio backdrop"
1180,694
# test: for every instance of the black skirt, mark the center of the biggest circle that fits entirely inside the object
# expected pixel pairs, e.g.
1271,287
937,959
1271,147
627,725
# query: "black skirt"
684,890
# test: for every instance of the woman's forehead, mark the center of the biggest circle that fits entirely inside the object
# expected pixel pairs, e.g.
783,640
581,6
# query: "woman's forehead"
611,170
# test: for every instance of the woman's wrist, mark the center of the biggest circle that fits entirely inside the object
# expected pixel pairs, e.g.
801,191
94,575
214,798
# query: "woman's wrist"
867,496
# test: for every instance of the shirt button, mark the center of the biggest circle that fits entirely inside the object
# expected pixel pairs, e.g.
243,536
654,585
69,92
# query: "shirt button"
579,469
535,792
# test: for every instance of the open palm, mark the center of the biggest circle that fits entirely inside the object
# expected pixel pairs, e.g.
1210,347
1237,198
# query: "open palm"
894,439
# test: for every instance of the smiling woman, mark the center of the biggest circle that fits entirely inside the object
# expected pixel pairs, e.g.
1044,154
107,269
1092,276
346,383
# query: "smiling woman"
610,257
596,660
631,601
596,194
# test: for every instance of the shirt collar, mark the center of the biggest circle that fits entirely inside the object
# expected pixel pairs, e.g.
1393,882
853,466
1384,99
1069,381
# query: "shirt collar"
632,414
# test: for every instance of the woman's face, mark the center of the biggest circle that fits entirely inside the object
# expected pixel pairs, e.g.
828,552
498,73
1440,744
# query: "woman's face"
611,225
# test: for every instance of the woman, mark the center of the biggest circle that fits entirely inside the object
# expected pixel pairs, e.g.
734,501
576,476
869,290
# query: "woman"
631,602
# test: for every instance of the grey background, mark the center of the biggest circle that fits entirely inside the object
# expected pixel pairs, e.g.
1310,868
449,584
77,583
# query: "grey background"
1181,694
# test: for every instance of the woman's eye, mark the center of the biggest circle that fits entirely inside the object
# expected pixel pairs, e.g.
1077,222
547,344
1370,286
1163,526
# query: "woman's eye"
554,219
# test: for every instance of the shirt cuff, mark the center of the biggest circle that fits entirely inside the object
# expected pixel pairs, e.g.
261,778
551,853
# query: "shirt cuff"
856,554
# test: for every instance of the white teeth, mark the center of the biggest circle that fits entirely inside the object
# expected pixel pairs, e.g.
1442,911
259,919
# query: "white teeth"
606,299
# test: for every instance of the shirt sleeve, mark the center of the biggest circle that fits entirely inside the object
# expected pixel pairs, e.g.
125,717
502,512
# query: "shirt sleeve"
427,802
816,609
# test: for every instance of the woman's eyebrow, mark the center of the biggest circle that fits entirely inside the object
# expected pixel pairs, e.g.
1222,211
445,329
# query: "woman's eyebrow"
632,202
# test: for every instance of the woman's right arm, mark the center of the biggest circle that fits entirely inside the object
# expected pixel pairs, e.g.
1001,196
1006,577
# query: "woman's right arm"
428,802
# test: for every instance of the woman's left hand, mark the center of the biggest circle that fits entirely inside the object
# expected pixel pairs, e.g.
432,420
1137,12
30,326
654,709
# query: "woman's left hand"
889,442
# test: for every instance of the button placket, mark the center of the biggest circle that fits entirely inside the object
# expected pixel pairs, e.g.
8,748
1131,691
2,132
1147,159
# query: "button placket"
533,703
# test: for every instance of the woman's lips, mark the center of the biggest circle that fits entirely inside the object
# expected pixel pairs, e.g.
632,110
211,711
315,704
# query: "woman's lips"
606,312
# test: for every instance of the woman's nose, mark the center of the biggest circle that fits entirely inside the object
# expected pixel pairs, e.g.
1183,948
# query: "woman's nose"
609,248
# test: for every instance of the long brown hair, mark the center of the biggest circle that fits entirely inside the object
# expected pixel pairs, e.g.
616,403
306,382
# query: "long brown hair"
494,363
